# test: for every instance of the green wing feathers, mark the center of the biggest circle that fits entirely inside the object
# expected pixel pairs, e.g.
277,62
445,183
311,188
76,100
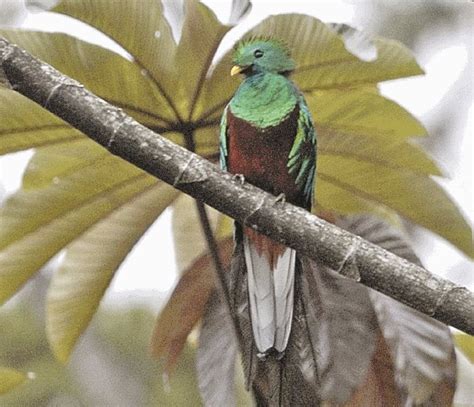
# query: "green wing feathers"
302,157
223,141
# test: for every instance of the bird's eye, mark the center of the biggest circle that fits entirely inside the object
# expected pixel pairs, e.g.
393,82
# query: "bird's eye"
258,53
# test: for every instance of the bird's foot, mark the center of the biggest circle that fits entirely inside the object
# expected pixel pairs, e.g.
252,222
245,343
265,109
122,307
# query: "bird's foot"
280,198
262,356
239,177
272,352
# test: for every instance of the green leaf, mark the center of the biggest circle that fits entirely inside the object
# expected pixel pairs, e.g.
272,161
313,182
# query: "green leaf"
466,344
100,70
403,191
363,112
389,153
9,379
202,34
42,221
90,263
188,235
218,89
27,125
332,197
140,27
323,61
50,165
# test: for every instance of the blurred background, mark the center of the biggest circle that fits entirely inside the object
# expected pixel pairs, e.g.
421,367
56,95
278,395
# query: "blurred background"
111,365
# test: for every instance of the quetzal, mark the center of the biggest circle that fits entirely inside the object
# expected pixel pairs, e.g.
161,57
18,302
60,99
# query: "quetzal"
267,135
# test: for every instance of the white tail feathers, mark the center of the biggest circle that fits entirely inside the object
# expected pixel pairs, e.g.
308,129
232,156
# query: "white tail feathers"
271,293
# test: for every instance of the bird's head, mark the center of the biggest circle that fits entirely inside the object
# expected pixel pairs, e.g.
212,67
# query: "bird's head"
262,55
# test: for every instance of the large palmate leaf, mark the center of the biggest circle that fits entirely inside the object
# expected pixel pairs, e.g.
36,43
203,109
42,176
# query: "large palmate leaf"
402,191
363,112
342,331
201,35
367,162
9,379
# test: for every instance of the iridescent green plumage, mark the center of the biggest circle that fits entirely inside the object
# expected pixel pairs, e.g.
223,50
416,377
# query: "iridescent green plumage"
265,99
268,136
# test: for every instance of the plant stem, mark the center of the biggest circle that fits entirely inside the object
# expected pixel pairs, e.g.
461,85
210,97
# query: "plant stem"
213,247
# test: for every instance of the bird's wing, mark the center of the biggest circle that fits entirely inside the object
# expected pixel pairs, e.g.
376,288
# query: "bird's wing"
223,140
302,157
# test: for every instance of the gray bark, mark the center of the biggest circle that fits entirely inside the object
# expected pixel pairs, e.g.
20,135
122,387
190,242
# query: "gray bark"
295,227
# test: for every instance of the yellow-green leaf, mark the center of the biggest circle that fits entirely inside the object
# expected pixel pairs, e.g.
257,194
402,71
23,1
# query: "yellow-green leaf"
415,197
37,223
402,156
140,27
218,89
90,263
202,34
28,125
9,379
362,112
323,61
107,74
466,344
50,165
188,235
331,197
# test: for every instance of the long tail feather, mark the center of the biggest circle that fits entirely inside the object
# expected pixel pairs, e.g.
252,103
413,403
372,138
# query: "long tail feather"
284,283
271,290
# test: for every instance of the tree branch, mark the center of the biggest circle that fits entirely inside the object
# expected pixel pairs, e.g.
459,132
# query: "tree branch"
295,227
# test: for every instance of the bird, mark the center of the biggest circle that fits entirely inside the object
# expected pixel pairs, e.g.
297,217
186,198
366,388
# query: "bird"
268,138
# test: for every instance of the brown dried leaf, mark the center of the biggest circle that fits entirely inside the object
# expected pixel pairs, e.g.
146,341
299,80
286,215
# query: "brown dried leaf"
185,307
379,387
216,355
342,326
421,348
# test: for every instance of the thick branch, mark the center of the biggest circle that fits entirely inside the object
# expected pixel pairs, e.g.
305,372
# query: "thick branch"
311,236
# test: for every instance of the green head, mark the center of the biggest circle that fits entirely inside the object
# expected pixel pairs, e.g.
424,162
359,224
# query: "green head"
262,55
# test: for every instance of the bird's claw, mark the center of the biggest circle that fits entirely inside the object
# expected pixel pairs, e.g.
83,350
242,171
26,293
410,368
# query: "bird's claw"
280,198
239,177
262,356
270,352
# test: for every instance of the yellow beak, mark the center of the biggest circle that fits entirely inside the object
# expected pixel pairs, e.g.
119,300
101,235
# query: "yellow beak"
236,69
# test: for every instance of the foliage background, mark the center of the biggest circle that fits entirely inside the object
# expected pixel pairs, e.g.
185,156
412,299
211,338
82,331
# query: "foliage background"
425,28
